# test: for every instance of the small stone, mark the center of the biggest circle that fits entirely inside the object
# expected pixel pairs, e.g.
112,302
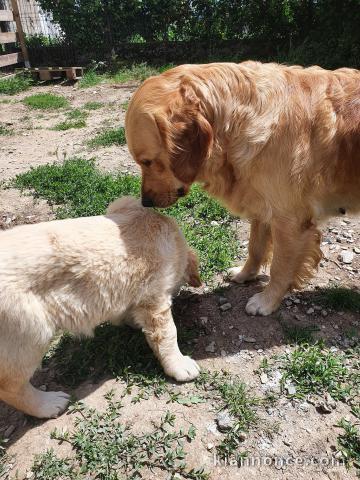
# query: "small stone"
29,474
222,300
223,353
242,436
264,378
204,320
287,443
324,313
9,431
43,388
210,348
225,307
291,389
249,340
346,256
310,311
224,421
210,446
357,250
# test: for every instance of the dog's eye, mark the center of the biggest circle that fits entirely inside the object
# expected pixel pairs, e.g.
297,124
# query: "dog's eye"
147,163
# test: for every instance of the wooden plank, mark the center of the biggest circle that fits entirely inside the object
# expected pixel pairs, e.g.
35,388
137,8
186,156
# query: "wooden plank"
10,59
6,16
8,37
20,32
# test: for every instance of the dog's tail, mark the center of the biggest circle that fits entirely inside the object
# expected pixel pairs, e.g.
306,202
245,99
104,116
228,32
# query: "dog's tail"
123,203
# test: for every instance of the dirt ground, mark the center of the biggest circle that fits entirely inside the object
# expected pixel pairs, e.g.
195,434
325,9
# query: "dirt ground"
291,429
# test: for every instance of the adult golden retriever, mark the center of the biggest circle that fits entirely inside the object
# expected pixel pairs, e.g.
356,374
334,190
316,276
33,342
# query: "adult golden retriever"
75,274
279,145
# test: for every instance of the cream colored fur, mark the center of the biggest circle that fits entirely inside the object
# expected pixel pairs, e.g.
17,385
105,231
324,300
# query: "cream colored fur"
75,274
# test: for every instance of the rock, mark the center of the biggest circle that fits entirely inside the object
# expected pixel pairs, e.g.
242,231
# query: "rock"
242,436
357,250
204,320
210,348
224,421
291,389
210,446
222,300
249,339
264,378
323,407
324,313
225,306
310,311
9,431
43,388
223,353
212,428
346,256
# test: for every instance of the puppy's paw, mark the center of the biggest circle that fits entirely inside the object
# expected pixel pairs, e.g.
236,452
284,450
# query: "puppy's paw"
183,369
52,404
259,304
239,275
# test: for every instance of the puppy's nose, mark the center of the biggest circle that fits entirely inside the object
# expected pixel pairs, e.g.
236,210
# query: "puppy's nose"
147,202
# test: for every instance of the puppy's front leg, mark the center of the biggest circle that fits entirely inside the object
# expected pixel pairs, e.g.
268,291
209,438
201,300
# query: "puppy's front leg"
296,255
160,332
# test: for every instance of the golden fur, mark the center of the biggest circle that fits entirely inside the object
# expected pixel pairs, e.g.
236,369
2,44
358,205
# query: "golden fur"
279,145
75,274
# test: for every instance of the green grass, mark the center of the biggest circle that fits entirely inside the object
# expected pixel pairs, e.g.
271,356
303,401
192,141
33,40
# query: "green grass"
5,130
340,299
137,72
231,394
296,334
76,118
104,446
314,369
110,136
349,443
14,85
46,101
125,105
93,105
68,124
78,189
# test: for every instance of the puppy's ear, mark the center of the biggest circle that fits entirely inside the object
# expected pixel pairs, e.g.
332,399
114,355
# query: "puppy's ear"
191,135
192,270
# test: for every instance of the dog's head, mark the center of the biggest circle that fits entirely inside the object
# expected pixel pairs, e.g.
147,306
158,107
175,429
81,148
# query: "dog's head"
168,136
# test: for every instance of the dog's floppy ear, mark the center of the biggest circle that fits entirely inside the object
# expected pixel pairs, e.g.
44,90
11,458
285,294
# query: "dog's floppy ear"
190,135
192,270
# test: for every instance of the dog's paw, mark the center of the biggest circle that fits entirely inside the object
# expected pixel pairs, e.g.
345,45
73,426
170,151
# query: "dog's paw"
183,369
52,404
239,275
259,304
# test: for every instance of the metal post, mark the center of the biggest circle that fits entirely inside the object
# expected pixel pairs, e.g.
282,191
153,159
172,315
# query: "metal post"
20,33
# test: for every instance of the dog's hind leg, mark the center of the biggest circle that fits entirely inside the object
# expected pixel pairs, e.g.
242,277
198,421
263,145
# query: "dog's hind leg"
28,399
259,249
296,255
160,332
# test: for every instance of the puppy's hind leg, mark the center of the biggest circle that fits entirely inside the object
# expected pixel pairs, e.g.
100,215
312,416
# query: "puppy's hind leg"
259,249
160,332
34,402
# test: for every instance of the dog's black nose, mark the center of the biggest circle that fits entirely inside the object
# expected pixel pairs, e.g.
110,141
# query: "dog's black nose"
181,192
147,202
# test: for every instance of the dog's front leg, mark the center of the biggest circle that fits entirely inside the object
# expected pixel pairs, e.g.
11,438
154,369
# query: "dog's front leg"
160,332
296,255
259,249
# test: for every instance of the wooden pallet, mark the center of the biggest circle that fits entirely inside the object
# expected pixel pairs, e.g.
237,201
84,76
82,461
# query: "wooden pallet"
53,73
9,59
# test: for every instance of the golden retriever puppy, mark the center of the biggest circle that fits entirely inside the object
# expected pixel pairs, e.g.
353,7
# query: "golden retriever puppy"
76,274
279,145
